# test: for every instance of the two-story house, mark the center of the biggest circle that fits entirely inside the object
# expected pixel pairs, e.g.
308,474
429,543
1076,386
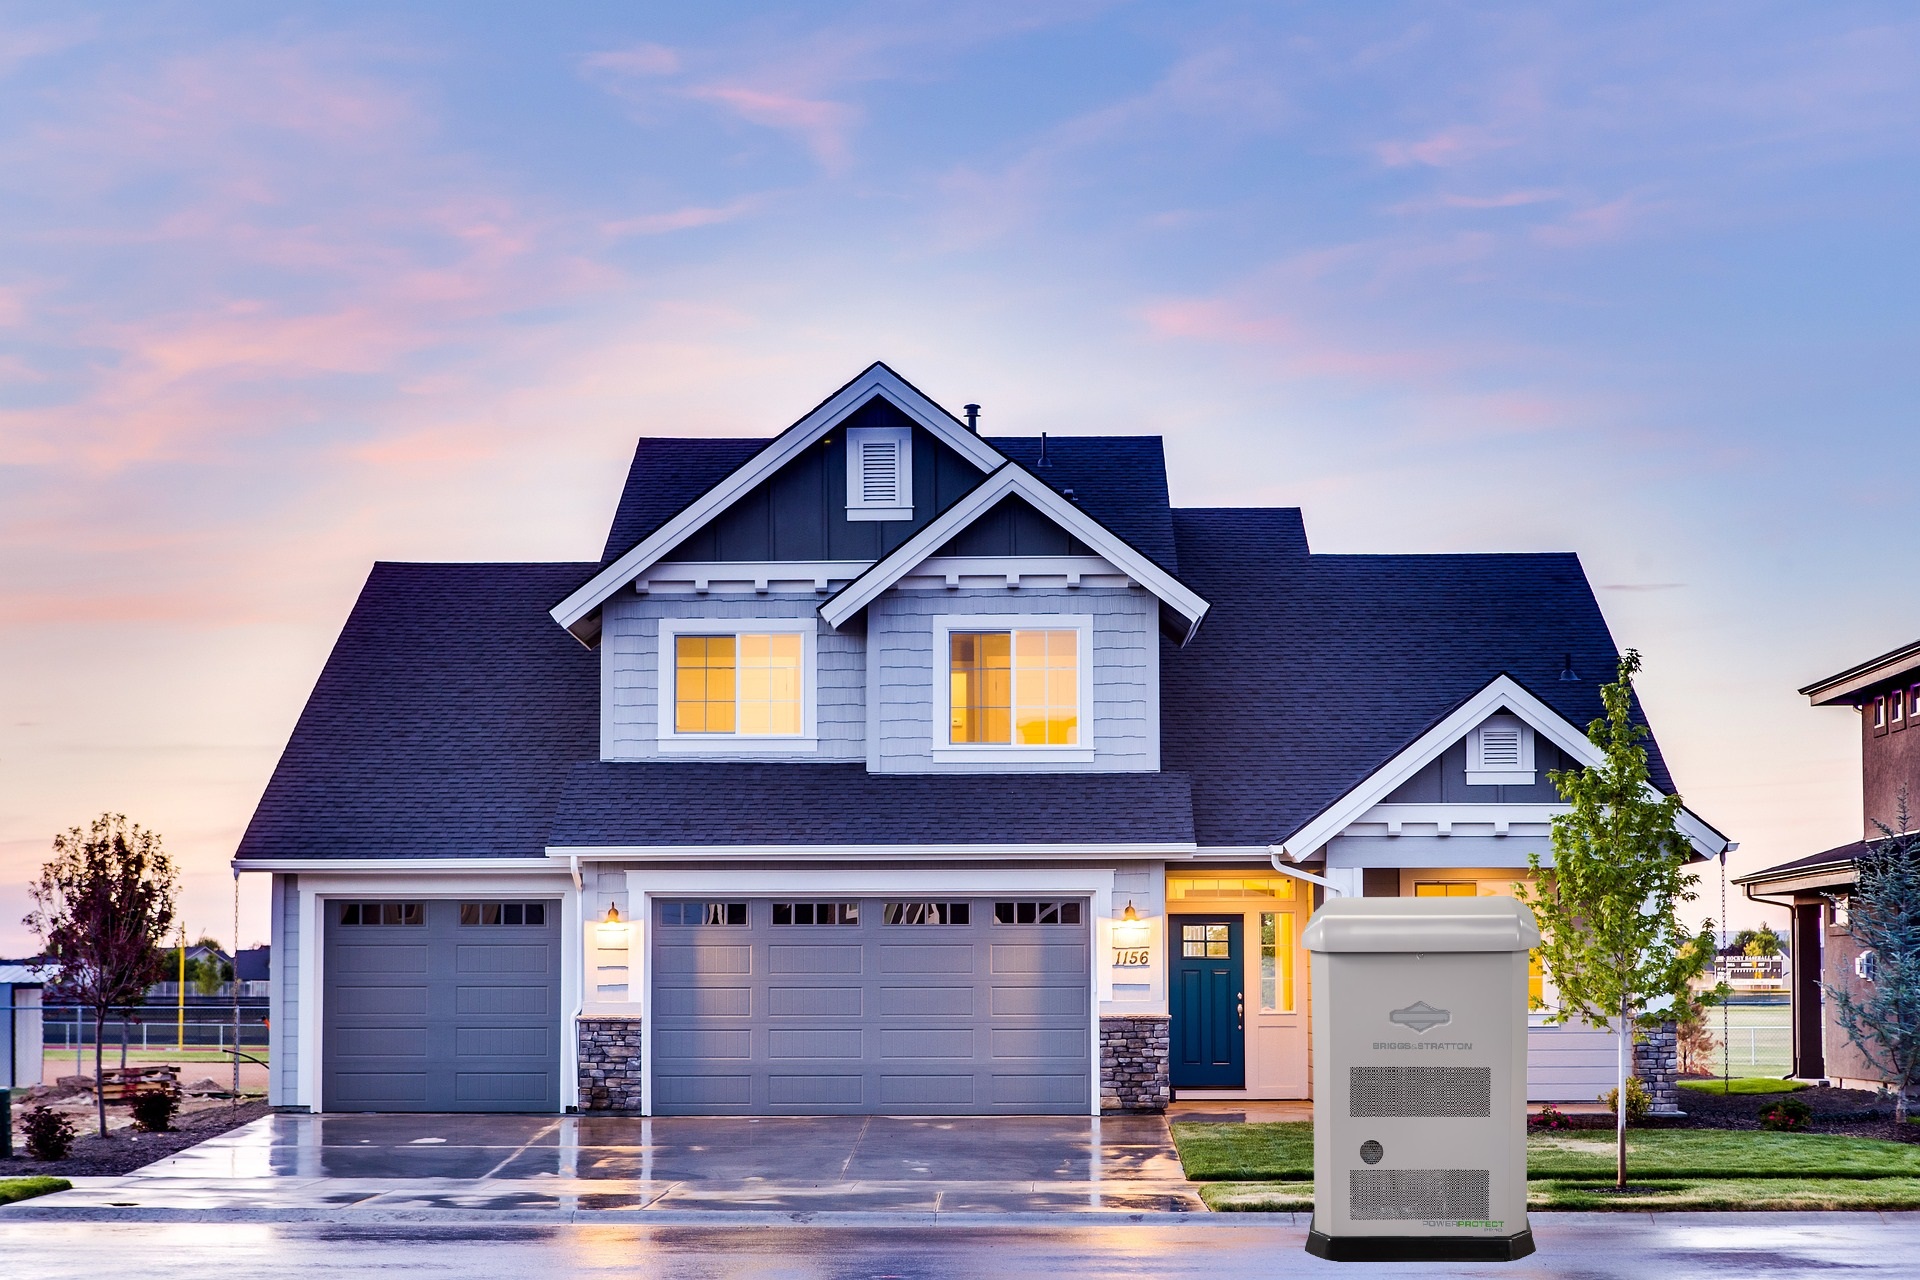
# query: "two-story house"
884,766
1884,693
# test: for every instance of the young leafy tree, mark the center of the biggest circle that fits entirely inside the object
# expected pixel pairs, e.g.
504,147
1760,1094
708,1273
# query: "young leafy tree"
1758,943
1883,917
1608,908
102,908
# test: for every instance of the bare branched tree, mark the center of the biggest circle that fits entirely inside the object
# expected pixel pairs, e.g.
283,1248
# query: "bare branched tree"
102,908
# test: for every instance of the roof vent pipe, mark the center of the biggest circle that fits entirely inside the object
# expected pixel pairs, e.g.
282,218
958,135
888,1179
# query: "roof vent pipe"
1043,450
973,418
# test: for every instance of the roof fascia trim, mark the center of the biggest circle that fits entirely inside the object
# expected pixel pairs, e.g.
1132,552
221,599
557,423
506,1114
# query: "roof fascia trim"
1503,693
1013,479
861,852
1838,688
877,379
520,865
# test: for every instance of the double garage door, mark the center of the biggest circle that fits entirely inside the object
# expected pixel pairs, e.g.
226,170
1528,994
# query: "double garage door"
441,1006
945,1007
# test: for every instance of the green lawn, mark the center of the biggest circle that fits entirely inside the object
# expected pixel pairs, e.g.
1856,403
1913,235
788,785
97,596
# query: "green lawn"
1667,1194
1744,1084
1284,1153
12,1189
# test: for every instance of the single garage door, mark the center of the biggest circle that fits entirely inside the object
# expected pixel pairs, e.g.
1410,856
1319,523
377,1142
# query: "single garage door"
899,1007
441,1006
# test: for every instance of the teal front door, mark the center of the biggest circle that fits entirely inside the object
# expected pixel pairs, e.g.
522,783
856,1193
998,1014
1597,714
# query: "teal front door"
1208,1003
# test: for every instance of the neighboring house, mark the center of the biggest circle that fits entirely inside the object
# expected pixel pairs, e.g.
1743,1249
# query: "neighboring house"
1885,693
886,767
22,1032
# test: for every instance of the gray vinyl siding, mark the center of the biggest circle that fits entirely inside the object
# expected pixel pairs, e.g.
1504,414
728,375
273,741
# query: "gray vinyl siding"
1126,674
283,1032
630,654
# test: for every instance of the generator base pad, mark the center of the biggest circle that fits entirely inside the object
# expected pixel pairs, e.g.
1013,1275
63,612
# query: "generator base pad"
1419,1248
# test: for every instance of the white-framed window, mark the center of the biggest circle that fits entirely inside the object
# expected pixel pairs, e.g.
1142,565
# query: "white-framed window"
730,685
1500,753
1013,688
879,473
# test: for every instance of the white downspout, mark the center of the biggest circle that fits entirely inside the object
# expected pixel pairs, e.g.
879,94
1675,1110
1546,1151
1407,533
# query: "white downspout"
1287,869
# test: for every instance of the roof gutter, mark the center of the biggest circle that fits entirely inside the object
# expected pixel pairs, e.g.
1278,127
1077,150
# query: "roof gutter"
1285,869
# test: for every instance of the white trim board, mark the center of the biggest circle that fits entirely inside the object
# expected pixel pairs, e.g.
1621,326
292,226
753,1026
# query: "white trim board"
1503,693
1013,479
889,853
579,613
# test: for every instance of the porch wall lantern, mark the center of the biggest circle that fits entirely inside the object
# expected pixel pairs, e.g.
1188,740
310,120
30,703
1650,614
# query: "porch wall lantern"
611,932
1131,939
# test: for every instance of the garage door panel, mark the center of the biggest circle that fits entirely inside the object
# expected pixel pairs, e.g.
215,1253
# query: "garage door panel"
712,1042
1037,1002
440,1015
790,958
814,1091
503,1000
908,1018
485,958
502,1042
813,1042
689,1093
931,1091
382,960
701,961
815,1002
703,1002
932,1002
1040,958
403,1001
926,1042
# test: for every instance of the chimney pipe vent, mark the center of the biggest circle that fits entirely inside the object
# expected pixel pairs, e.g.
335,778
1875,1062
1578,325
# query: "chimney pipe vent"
973,418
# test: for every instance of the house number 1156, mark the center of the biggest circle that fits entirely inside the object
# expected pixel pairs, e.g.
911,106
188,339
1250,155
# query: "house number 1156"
1131,957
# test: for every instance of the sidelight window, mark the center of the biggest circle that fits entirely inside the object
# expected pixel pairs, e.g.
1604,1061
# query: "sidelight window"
1276,961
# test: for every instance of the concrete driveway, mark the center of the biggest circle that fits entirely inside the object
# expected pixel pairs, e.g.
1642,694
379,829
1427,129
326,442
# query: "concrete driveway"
290,1167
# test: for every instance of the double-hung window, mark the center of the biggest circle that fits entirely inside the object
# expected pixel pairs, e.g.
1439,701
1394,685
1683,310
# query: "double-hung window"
734,687
1015,686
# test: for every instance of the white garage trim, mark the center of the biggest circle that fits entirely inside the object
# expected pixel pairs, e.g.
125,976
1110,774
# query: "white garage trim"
317,890
1095,883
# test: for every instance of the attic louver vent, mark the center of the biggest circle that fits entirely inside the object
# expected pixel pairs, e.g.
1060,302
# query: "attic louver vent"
1500,747
880,473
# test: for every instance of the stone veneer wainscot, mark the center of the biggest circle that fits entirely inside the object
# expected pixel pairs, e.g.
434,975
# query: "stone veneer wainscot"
610,1064
1133,1062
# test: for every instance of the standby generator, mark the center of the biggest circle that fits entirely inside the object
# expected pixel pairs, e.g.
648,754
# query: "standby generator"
1420,1079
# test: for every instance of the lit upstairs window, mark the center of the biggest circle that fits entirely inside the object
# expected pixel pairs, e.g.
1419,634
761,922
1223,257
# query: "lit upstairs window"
746,684
1014,688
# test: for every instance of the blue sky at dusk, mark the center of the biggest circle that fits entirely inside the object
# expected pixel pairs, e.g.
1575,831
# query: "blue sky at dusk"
286,289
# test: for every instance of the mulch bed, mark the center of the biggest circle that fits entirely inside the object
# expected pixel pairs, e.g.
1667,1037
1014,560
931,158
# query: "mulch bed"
1857,1113
124,1150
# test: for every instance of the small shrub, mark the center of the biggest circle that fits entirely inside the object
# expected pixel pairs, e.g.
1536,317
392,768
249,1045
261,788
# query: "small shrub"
1789,1115
153,1110
1639,1102
1550,1118
49,1134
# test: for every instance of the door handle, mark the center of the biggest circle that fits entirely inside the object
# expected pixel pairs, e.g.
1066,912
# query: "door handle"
1240,1010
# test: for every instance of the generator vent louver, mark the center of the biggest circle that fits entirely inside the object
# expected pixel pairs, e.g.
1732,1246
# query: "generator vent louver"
1419,1091
1387,1195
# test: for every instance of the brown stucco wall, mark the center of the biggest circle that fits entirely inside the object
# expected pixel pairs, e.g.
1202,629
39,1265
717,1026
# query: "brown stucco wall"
1843,1060
1889,764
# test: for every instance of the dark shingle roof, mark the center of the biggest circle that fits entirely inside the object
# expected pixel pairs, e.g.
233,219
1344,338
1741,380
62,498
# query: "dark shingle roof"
664,479
443,723
1121,481
1312,671
689,803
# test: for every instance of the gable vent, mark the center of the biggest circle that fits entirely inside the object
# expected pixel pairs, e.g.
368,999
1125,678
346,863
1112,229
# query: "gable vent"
1500,747
880,478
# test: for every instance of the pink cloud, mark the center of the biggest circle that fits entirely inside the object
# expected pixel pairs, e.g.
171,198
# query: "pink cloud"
638,60
1445,149
822,124
654,224
1595,224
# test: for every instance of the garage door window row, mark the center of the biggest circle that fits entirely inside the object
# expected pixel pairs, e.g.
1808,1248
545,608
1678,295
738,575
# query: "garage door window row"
404,914
936,913
508,914
703,913
1036,913
830,913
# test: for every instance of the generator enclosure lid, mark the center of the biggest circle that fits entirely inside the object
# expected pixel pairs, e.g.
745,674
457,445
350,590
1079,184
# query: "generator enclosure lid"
1383,925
